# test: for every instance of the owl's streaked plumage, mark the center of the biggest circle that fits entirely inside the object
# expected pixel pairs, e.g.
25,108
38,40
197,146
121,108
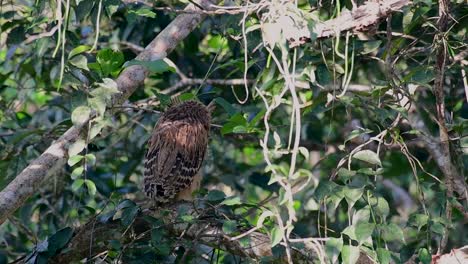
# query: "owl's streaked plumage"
176,151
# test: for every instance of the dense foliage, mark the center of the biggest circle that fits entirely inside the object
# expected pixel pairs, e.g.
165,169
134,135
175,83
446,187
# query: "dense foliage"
328,138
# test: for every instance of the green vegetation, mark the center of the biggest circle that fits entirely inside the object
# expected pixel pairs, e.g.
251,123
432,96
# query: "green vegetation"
333,139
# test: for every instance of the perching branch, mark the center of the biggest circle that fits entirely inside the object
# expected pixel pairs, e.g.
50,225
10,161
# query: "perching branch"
359,19
206,230
29,180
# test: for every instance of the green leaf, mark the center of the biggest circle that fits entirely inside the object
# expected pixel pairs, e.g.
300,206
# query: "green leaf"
350,254
305,152
233,200
156,236
80,115
80,61
257,117
392,232
370,171
78,50
58,240
128,214
352,195
418,220
77,172
362,215
380,205
370,46
237,122
187,96
156,66
125,203
143,12
345,174
324,189
91,187
98,104
76,147
164,249
106,89
368,156
111,6
110,61
333,248
350,231
276,236
437,228
187,218
77,184
363,231
239,129
229,226
215,196
90,159
74,160
424,256
226,106
96,129
383,255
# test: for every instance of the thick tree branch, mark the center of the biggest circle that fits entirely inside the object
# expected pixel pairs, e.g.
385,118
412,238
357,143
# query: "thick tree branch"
29,180
359,19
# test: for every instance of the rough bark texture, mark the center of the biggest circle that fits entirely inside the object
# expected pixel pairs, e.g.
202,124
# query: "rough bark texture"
359,19
29,180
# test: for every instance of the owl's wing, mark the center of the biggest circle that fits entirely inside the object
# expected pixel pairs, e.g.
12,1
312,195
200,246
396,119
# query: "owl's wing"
175,155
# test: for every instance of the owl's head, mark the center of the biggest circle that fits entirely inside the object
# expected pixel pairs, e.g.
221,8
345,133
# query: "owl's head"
189,111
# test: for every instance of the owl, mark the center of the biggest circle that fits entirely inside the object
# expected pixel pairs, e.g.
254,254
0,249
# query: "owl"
176,151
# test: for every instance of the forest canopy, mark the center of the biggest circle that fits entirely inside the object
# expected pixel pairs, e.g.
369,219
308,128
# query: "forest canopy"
338,130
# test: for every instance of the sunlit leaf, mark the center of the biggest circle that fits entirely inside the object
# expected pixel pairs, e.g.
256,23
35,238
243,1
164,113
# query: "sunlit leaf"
350,254
74,160
76,147
91,187
80,61
78,50
77,172
333,248
368,156
383,255
276,236
424,256
233,200
77,184
80,115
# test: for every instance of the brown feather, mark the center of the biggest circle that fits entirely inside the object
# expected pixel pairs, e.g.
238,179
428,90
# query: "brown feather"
176,150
